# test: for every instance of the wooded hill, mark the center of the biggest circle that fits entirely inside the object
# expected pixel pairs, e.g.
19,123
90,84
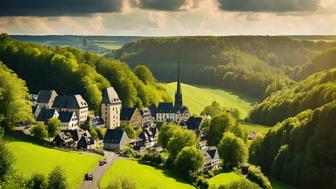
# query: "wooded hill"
254,65
70,71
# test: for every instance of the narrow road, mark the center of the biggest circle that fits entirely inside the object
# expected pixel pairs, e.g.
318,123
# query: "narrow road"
99,171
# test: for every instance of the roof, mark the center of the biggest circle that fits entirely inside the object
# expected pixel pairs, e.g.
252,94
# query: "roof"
45,114
44,96
152,109
110,96
70,102
127,113
113,135
65,117
210,154
165,107
145,112
194,123
74,134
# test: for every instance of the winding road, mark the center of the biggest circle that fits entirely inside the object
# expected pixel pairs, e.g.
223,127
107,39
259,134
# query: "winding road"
99,171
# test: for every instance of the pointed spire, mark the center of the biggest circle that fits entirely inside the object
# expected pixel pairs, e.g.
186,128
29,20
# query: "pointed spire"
178,95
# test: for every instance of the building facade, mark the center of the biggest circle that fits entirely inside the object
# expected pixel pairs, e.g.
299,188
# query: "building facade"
111,108
74,103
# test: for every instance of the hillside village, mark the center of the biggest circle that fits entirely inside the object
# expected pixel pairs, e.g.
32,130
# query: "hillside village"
73,112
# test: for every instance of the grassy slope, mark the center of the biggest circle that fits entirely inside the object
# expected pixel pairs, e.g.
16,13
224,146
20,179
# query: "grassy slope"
31,158
254,127
144,176
224,178
197,97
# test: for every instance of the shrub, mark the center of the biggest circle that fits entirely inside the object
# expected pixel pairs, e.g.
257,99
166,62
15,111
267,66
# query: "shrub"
56,179
37,181
39,130
255,175
129,152
242,184
122,183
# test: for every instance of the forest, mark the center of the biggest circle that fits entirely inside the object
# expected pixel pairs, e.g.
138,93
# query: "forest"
254,65
70,71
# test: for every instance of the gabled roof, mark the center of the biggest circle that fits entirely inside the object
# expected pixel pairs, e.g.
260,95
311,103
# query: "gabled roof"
194,123
165,107
70,102
110,96
145,112
65,117
114,135
44,96
210,154
152,109
45,114
74,134
127,113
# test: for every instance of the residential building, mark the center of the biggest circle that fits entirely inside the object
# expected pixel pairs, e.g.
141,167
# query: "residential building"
46,114
211,157
115,139
111,108
74,103
75,139
43,100
86,141
147,117
68,120
131,116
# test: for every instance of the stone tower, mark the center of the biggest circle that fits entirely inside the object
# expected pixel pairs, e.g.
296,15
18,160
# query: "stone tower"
178,95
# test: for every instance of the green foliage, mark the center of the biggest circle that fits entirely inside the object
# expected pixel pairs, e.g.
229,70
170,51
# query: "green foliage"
311,93
241,184
219,125
37,181
232,150
301,150
93,133
249,64
215,109
144,74
130,153
15,104
54,127
39,130
128,128
122,183
166,133
255,175
6,161
189,160
181,138
100,133
57,179
71,71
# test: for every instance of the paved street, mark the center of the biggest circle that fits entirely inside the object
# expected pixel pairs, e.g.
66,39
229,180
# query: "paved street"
99,171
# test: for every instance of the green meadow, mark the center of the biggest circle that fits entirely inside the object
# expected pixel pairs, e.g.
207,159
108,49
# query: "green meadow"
197,97
32,158
224,179
254,127
144,176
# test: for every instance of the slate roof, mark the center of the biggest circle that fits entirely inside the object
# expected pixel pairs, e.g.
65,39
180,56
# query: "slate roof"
165,107
127,113
70,102
74,134
65,117
145,112
45,114
210,154
194,123
110,96
113,135
44,96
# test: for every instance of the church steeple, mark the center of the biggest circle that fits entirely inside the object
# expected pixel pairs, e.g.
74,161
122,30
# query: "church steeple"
178,95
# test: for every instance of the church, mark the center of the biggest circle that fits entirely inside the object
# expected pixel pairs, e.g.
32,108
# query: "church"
177,112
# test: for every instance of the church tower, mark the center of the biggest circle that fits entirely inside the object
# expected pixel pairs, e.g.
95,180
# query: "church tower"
178,95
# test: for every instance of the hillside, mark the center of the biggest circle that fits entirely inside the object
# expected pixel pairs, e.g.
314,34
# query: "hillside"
197,97
300,150
70,71
32,158
313,92
253,65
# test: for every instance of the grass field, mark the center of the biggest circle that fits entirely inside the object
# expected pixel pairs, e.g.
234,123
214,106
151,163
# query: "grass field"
280,185
224,178
31,158
197,97
254,127
145,176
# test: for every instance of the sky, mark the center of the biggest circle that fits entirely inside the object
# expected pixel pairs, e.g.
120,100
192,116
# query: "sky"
168,17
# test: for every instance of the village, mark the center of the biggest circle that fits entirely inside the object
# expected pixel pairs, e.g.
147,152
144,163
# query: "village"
73,111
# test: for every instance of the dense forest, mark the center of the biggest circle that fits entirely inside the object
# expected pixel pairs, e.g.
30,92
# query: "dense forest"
15,104
254,65
69,71
301,150
313,92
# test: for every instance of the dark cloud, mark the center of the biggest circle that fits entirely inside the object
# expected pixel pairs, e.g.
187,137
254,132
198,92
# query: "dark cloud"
270,5
57,7
165,5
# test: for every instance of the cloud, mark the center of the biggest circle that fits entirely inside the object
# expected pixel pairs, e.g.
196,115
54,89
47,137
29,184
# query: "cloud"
58,7
271,5
164,5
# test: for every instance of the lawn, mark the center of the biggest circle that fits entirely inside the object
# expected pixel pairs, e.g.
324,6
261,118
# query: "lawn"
145,176
224,179
280,185
197,97
32,158
254,127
